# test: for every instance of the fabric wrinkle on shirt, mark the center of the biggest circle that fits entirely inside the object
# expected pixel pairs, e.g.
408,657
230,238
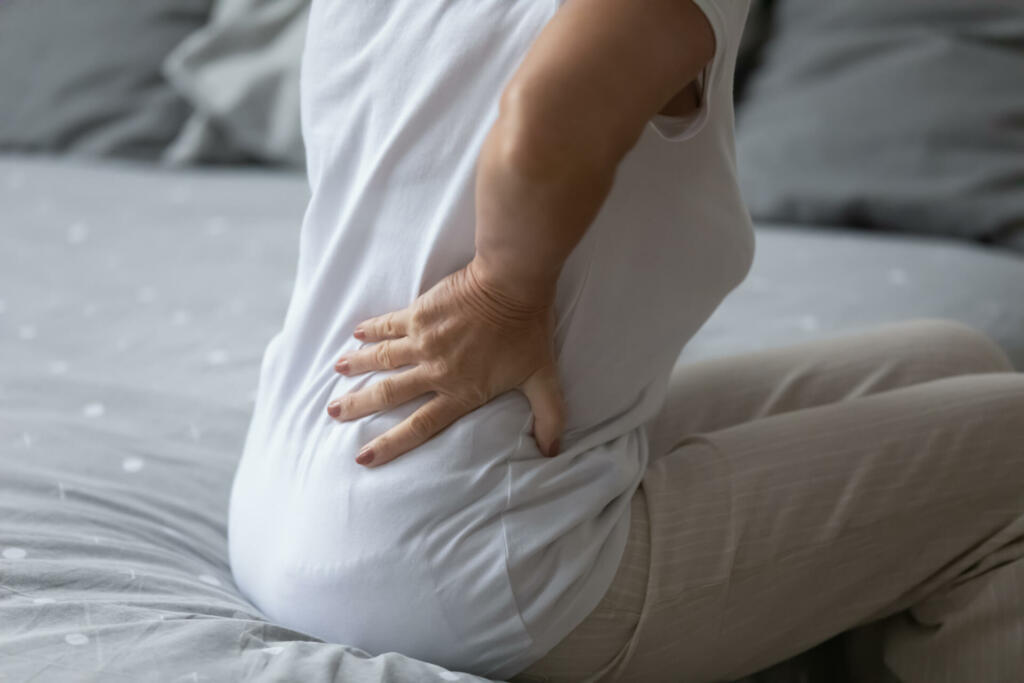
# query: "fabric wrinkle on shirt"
473,551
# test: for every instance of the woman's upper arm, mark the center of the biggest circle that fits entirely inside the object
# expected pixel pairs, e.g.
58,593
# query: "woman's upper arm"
601,69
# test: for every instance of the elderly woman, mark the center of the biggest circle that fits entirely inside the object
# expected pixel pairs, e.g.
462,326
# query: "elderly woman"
471,443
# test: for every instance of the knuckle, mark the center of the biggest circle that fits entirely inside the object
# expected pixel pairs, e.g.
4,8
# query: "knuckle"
346,404
386,391
437,369
389,324
418,318
421,425
428,344
480,396
470,397
383,354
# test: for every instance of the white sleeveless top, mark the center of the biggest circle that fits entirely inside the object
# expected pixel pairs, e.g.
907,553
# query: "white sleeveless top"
472,551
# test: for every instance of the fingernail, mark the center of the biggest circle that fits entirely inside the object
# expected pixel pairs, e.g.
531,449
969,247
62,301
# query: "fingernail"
365,456
342,366
334,409
555,448
358,334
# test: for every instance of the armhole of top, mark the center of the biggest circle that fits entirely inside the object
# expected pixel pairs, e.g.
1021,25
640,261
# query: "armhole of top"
679,128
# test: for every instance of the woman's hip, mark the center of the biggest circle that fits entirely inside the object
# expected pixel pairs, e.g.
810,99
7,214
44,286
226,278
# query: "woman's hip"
603,641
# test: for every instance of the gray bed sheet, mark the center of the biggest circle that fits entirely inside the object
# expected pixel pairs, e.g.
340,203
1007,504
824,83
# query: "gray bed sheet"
135,303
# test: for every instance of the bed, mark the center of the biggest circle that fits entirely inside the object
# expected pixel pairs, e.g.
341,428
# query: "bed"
135,303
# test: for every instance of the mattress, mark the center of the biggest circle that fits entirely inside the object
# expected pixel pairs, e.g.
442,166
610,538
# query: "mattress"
135,304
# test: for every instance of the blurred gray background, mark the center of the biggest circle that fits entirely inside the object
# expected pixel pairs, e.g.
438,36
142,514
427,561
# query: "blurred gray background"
151,194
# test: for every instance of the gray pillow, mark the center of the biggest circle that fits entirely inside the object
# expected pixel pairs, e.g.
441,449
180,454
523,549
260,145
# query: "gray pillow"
904,116
84,77
241,75
756,31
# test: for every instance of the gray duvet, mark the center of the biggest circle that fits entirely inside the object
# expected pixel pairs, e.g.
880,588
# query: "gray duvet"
135,304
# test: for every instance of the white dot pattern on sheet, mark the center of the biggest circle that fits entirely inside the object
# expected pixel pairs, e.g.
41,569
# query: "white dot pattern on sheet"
146,295
103,303
216,225
132,464
78,232
898,277
59,367
808,323
94,409
217,357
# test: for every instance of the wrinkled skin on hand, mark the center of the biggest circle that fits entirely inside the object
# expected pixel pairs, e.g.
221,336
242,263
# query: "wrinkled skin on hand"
467,341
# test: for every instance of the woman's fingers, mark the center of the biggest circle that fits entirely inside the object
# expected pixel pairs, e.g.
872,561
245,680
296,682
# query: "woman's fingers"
544,392
387,326
391,391
387,355
421,426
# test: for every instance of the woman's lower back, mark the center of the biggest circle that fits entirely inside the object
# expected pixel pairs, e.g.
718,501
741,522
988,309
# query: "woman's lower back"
419,556
473,550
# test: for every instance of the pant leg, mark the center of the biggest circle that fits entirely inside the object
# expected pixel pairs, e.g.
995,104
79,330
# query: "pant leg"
721,392
771,536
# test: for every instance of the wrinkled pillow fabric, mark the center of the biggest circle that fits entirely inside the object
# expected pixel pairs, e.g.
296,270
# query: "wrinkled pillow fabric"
903,116
84,77
241,75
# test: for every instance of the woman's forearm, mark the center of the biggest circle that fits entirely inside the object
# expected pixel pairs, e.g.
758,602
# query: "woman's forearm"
575,106
530,214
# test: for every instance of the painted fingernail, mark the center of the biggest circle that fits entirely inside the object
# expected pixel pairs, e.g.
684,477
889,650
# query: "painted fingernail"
358,334
555,448
342,366
334,409
365,456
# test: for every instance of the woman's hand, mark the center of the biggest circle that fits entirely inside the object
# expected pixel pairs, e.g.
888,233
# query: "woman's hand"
469,342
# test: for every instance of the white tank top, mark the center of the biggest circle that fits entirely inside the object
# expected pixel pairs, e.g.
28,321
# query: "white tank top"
472,551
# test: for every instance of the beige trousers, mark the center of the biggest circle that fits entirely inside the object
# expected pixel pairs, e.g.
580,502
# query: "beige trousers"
871,484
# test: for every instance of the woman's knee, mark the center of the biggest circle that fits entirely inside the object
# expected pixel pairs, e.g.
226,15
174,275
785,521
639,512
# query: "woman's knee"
995,400
958,347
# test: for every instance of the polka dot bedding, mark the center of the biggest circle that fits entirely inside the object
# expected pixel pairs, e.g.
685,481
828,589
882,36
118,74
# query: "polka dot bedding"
135,303
134,307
